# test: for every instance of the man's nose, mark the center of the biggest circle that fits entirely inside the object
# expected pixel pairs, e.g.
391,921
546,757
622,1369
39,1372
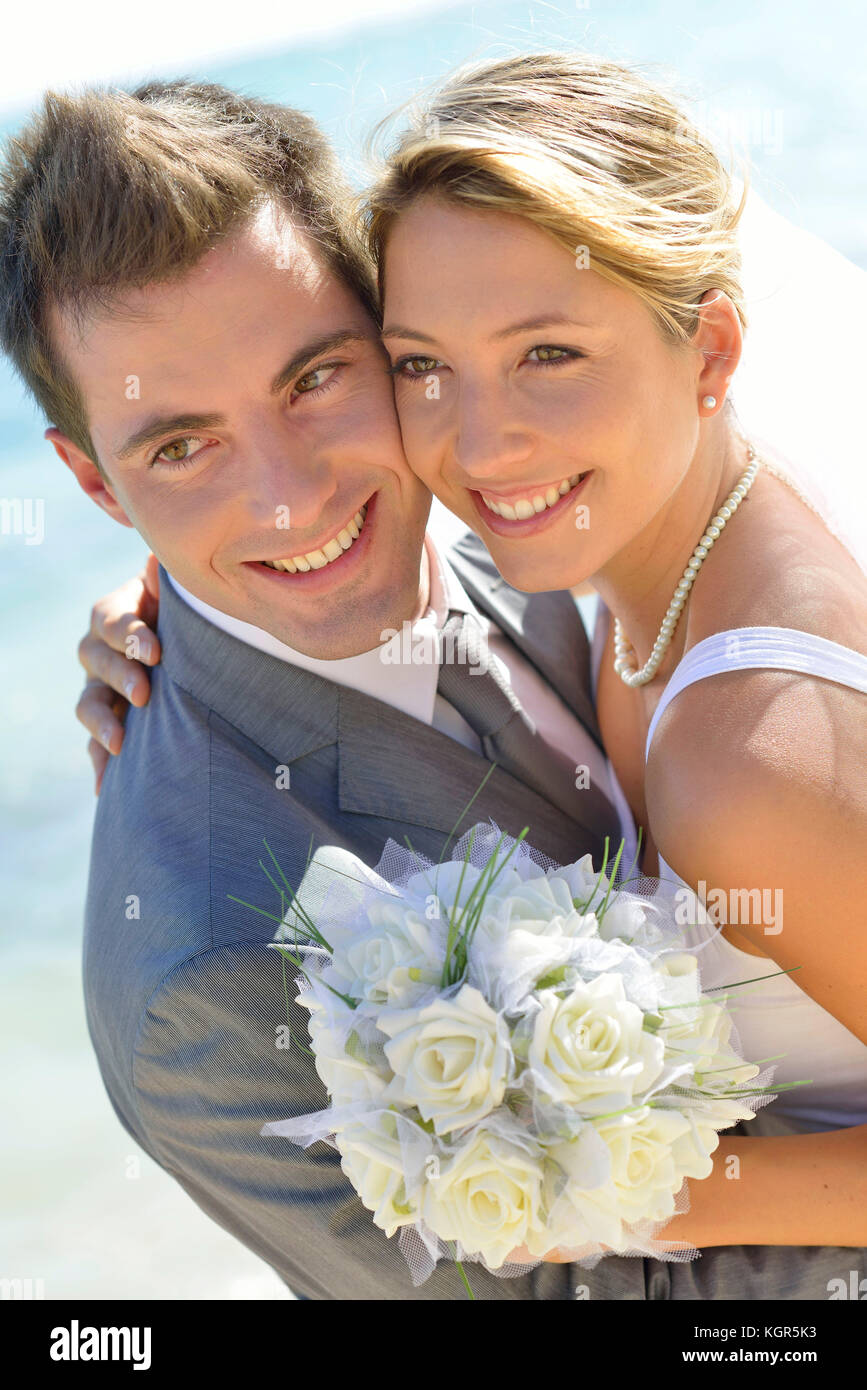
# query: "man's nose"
287,485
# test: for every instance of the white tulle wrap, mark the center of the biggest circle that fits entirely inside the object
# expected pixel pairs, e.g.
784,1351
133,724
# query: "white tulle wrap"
557,1096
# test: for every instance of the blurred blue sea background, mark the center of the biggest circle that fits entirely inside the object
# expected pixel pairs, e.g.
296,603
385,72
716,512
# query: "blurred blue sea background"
786,81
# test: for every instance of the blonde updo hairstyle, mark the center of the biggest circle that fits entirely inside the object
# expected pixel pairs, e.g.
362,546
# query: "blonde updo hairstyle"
592,154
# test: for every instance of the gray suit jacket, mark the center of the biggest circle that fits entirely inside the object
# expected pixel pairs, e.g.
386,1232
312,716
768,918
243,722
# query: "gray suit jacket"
184,1001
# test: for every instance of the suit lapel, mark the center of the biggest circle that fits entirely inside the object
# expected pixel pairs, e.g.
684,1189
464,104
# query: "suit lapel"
546,627
390,766
396,768
279,707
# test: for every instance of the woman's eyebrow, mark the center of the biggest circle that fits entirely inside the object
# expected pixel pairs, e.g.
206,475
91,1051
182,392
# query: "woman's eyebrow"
544,321
397,330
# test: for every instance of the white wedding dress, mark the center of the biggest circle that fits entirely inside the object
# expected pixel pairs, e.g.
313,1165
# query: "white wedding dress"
775,1015
798,393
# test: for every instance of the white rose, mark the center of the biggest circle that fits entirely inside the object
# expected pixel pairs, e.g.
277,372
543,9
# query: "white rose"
540,905
700,1033
506,969
625,918
371,1159
590,1050
523,896
451,883
721,1112
651,1152
451,1059
346,1063
397,960
488,1197
580,878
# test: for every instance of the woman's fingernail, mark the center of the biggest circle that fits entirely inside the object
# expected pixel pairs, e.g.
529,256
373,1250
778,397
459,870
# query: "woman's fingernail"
145,649
129,687
106,737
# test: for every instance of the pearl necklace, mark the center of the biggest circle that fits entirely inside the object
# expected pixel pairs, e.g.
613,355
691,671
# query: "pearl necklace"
625,661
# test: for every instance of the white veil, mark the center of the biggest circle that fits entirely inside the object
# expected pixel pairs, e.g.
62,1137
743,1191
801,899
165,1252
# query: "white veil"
802,374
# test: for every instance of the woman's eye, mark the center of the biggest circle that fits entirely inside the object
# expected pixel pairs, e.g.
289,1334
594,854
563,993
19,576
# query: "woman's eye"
311,381
415,366
180,451
551,354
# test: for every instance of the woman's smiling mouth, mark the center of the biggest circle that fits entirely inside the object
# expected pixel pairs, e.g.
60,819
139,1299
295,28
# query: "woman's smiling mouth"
525,513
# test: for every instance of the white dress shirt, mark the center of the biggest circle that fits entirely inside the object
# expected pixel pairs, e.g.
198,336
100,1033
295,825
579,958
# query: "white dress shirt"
412,687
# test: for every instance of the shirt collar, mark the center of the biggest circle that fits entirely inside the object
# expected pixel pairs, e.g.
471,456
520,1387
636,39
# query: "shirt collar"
404,684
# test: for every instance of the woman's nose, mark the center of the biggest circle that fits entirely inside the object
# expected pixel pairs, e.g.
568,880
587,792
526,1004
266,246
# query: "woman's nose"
490,440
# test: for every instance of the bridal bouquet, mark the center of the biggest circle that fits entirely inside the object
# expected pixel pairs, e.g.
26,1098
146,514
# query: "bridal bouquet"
517,1055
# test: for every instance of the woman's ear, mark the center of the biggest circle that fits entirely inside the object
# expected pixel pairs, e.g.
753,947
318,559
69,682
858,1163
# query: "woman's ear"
88,475
718,340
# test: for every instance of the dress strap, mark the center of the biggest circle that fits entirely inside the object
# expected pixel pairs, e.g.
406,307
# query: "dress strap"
773,648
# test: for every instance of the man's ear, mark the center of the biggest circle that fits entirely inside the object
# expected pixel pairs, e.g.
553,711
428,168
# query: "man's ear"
87,475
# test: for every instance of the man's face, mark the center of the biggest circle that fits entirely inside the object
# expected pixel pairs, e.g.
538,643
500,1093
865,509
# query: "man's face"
242,414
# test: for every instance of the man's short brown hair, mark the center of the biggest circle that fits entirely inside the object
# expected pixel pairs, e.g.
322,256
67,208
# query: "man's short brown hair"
105,191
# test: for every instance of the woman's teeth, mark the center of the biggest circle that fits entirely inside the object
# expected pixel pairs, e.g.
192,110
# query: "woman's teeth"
331,550
525,507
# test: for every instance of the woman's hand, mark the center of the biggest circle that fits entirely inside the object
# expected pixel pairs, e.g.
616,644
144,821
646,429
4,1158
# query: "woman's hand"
522,1256
115,653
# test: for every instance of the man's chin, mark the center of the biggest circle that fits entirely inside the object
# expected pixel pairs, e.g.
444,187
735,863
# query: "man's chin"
355,633
332,627
325,647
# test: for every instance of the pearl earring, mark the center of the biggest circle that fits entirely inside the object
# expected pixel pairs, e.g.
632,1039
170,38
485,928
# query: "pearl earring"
709,402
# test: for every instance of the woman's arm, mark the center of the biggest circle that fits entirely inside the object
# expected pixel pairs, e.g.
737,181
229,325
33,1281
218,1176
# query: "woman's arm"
766,791
115,652
756,781
795,1189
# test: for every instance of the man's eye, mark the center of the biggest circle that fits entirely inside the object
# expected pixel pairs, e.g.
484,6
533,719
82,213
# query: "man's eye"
180,450
311,381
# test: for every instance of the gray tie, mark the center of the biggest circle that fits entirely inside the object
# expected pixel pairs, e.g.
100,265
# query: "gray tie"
470,681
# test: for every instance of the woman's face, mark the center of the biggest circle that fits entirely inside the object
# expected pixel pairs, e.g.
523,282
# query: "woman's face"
537,400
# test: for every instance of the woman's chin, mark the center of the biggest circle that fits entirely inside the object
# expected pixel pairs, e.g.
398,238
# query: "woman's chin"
543,576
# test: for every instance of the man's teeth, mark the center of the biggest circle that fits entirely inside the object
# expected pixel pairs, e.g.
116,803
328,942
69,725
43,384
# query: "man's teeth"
331,550
525,507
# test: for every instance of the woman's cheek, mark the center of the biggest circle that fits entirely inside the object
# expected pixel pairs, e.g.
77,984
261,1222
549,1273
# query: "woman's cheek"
423,429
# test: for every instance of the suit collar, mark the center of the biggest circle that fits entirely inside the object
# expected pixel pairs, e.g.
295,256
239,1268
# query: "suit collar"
546,627
383,754
279,707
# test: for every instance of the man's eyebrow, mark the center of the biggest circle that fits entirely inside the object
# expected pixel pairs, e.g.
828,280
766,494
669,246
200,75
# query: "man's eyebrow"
397,330
327,343
160,425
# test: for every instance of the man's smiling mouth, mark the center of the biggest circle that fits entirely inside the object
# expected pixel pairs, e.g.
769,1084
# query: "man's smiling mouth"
332,550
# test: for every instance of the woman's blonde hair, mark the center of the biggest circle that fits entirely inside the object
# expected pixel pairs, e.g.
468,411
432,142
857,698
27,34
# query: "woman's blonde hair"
591,153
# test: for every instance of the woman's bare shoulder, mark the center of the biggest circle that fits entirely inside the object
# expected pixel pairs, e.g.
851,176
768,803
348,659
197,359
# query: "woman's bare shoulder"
765,738
779,566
